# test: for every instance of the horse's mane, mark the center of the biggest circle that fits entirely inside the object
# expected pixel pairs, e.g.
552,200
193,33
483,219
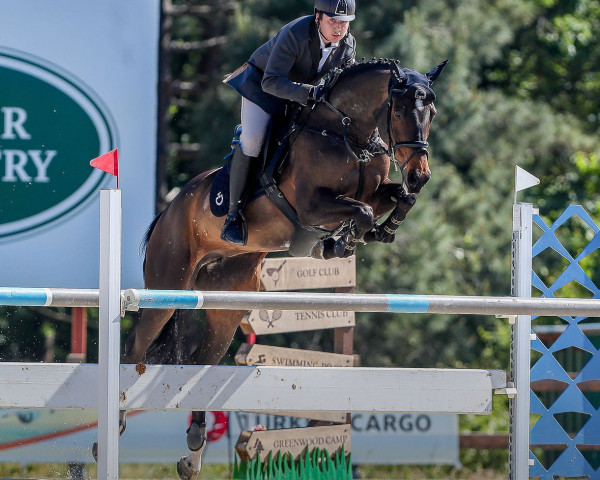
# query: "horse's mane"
357,67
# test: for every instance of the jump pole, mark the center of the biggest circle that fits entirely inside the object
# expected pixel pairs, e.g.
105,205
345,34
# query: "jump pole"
357,302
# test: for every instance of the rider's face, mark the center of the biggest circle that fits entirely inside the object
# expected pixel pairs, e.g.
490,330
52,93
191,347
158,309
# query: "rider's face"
331,29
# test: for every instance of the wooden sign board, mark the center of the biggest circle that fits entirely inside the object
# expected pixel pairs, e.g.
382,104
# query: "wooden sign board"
252,355
263,322
294,441
291,273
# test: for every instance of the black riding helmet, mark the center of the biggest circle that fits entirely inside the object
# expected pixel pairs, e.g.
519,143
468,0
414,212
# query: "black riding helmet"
342,10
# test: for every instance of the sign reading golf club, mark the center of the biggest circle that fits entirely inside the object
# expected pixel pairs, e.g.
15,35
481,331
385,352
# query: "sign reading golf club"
49,125
77,80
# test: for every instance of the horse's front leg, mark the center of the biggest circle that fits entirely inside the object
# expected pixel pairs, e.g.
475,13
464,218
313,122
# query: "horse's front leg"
323,207
385,232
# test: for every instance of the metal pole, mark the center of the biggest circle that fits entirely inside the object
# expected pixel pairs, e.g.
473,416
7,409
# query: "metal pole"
109,334
520,343
390,303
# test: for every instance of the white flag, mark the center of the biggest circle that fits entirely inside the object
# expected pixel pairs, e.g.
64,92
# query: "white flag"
524,179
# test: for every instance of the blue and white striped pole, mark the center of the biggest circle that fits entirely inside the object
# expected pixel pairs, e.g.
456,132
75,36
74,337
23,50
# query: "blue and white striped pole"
391,303
48,297
354,302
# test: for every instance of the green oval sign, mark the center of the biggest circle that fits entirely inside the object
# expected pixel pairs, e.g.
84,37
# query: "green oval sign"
50,128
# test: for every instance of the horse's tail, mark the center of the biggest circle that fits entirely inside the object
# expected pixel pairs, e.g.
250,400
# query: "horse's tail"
167,348
147,236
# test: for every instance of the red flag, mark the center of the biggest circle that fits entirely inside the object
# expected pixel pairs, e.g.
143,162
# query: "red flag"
109,163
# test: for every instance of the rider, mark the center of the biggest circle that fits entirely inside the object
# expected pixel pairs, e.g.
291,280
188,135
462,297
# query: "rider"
286,68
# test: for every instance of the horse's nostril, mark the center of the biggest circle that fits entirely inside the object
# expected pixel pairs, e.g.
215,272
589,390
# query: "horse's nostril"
412,179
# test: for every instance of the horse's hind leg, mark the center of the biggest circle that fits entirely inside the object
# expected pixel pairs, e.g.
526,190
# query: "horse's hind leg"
172,269
241,272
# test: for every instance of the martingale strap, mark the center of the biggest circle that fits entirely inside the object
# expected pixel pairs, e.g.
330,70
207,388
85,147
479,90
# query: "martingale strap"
373,148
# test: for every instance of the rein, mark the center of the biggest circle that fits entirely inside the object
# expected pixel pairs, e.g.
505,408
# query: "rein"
374,145
372,148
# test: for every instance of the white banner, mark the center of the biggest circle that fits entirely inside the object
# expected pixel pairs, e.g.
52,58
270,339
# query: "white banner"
78,80
30,436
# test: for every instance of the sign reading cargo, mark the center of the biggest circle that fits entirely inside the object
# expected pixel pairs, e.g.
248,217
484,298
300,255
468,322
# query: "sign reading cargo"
49,126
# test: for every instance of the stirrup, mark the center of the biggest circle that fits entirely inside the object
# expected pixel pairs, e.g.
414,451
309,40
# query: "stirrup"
235,230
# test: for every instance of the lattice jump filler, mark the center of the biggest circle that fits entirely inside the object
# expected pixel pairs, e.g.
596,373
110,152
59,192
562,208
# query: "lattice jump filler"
547,430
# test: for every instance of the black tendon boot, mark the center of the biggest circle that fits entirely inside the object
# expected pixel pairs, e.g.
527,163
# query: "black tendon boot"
234,229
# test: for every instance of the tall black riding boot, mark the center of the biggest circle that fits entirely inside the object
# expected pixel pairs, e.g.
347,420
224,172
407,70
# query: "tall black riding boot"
234,229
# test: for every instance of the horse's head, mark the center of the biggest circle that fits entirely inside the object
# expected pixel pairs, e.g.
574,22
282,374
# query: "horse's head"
410,113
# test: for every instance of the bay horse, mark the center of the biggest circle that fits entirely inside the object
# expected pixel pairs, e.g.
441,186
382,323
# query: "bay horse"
336,180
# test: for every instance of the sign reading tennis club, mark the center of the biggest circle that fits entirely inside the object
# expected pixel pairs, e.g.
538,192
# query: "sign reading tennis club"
51,126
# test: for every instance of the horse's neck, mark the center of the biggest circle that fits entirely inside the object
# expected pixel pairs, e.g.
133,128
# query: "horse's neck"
361,98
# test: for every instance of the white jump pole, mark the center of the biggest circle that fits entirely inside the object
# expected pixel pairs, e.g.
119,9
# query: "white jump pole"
109,334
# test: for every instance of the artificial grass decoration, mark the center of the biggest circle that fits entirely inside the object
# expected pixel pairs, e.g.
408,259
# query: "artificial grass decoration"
314,465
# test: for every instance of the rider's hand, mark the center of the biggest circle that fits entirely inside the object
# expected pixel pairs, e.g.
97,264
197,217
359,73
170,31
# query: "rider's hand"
317,93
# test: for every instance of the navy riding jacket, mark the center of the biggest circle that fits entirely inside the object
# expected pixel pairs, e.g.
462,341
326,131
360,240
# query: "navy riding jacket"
284,68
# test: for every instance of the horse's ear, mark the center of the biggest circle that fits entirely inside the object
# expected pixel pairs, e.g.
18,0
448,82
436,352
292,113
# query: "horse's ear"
435,73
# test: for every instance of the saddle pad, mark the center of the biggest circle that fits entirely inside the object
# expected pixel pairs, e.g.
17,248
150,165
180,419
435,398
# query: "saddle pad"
219,192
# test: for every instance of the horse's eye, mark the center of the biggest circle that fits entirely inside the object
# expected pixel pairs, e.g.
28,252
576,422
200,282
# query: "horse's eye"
400,110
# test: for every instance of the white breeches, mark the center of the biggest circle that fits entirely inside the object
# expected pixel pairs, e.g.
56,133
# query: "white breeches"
255,122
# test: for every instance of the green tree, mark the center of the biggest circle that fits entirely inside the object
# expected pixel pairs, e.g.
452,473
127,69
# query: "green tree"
555,58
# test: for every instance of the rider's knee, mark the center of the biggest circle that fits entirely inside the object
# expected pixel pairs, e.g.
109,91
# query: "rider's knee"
251,146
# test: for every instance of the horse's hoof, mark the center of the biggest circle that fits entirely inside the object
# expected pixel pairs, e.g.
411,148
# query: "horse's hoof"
410,199
196,437
385,236
95,452
343,249
186,470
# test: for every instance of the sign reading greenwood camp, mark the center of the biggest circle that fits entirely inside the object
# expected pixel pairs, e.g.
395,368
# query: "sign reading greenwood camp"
51,126
294,441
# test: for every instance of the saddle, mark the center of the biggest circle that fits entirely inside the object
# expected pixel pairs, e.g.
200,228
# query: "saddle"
261,181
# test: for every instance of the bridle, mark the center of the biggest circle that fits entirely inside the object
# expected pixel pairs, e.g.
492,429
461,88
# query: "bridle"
398,85
374,145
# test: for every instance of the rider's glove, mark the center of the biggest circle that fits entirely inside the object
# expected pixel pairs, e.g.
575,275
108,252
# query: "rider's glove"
317,93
